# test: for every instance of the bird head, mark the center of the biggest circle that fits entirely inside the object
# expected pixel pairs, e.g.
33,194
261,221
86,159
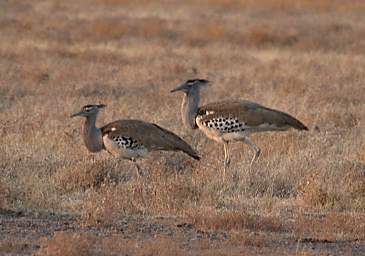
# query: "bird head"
89,110
189,85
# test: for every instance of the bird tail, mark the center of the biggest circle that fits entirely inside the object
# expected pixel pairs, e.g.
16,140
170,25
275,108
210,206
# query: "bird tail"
174,142
180,144
295,123
191,152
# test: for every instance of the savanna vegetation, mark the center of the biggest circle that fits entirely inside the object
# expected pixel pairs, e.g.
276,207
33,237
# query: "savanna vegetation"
305,195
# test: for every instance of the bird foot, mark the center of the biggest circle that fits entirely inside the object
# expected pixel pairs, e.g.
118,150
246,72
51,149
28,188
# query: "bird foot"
235,176
139,174
227,162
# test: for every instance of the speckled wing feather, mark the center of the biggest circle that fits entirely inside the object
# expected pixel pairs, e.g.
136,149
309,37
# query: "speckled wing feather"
151,136
251,114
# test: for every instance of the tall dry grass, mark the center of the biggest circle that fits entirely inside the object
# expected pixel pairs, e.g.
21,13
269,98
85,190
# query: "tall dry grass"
302,57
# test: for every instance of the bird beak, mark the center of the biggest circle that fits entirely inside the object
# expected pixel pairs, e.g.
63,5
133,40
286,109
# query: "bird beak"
76,114
179,88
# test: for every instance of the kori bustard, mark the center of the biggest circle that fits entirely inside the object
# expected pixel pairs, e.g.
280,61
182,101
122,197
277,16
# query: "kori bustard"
231,120
128,139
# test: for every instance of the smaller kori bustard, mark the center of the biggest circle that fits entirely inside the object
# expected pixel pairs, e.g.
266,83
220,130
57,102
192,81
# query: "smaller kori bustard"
128,139
231,120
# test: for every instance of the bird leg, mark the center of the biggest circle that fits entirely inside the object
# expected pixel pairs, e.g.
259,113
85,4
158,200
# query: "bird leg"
254,146
139,171
227,158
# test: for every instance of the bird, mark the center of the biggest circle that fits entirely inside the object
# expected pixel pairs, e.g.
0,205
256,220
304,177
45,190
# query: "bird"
128,138
230,120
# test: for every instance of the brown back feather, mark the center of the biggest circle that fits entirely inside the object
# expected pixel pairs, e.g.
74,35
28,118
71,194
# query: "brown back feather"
152,136
251,113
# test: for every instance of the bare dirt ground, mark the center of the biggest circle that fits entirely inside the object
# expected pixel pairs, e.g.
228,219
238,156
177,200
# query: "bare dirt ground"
305,195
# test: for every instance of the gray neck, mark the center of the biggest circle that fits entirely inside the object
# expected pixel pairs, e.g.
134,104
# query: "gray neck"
92,135
189,108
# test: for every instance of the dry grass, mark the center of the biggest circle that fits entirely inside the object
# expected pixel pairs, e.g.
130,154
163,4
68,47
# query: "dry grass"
287,5
303,57
68,244
210,219
348,191
3,195
14,246
331,227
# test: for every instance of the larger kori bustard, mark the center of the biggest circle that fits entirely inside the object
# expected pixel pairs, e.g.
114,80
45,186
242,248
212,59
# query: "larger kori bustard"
129,139
231,120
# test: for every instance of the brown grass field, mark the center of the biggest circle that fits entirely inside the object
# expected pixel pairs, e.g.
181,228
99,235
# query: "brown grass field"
306,194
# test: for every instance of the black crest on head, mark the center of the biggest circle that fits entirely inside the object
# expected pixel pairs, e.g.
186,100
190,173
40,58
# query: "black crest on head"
203,80
92,106
192,81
